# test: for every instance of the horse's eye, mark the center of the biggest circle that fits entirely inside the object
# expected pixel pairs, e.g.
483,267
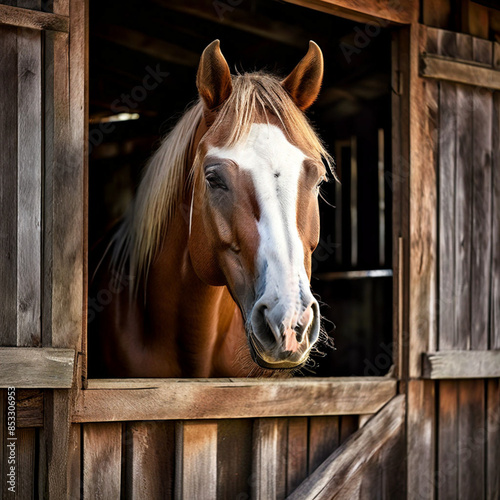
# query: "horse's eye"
214,181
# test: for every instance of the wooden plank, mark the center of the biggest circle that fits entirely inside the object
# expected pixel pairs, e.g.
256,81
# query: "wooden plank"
102,454
150,460
461,364
495,230
234,458
437,14
420,440
348,463
482,108
366,10
454,71
348,426
447,440
371,482
25,463
323,440
62,320
281,458
75,479
475,19
400,206
447,145
471,439
265,453
29,407
423,208
32,367
493,439
196,460
296,464
29,185
8,189
233,398
463,220
33,19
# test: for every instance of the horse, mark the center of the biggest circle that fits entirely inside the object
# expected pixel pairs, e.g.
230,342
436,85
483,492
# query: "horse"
208,274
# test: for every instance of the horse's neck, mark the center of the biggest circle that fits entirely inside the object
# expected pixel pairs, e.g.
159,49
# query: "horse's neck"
186,316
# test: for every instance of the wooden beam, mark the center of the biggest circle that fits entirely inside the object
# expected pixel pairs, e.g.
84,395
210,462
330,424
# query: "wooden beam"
36,368
163,399
346,465
154,47
461,364
366,10
34,19
458,72
225,14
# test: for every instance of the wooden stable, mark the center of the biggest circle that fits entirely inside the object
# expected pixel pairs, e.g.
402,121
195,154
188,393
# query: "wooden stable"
429,430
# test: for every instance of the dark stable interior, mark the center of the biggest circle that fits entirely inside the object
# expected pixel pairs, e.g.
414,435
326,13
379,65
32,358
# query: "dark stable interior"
352,266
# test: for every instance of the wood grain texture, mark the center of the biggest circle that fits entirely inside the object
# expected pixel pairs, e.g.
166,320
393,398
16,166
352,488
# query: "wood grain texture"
164,399
447,175
265,463
25,18
234,458
447,441
29,186
423,208
323,440
342,472
8,186
420,440
471,439
63,234
463,220
25,464
459,72
32,367
461,364
366,10
348,426
75,466
29,407
495,230
102,454
196,460
482,108
150,460
493,439
296,462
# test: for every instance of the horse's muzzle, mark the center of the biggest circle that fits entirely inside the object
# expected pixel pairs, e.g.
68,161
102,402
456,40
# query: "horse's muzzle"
280,343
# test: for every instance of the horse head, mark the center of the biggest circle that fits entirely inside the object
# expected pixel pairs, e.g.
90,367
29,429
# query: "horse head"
254,215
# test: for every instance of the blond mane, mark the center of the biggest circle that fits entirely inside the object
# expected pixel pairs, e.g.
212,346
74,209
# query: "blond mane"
254,97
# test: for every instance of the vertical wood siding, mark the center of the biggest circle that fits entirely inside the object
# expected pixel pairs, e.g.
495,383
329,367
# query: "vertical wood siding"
224,459
466,418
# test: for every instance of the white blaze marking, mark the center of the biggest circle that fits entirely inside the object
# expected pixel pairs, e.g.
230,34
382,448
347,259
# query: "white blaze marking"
264,153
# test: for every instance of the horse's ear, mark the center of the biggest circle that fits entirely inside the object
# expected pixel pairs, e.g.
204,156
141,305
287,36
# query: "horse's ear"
214,78
304,82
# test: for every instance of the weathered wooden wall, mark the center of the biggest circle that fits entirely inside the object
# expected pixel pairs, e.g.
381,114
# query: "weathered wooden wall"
454,422
207,459
42,129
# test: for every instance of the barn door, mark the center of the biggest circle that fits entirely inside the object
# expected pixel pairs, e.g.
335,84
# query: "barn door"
42,132
454,237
